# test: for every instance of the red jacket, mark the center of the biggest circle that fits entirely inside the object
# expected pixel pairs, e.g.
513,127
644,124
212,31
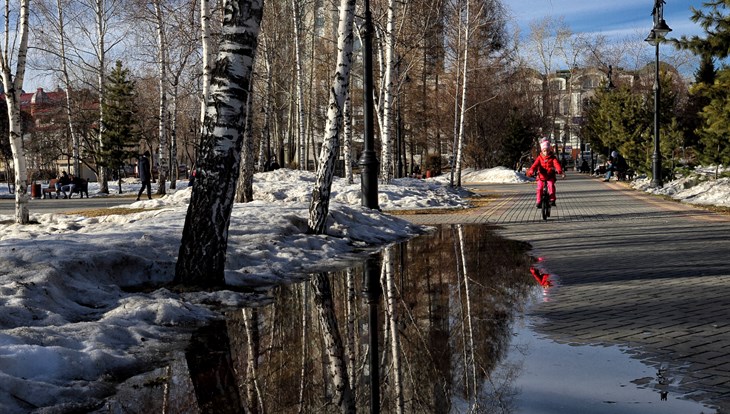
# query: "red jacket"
546,168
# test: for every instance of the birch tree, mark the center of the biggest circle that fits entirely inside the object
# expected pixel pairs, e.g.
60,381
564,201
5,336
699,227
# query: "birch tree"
101,10
301,133
244,188
391,307
319,206
162,64
343,396
205,46
54,41
13,88
458,150
386,130
347,133
202,254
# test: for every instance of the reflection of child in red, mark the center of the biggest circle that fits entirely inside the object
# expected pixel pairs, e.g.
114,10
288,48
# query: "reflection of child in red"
542,278
545,167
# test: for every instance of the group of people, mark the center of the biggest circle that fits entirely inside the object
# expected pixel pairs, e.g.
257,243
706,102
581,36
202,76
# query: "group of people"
65,182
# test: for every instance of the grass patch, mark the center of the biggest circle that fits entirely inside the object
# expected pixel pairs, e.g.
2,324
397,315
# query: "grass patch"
482,200
107,211
422,211
717,209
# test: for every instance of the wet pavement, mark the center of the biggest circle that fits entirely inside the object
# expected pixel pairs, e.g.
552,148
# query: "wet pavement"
632,270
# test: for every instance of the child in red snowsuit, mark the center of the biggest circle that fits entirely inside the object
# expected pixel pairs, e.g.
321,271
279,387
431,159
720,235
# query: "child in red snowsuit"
546,166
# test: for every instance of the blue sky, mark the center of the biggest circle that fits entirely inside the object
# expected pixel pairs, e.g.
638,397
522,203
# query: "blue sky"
613,18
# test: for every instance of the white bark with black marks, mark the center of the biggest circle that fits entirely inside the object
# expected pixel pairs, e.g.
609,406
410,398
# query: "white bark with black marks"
342,392
13,87
202,254
319,206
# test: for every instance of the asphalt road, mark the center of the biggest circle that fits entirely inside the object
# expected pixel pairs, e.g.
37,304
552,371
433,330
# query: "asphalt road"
43,206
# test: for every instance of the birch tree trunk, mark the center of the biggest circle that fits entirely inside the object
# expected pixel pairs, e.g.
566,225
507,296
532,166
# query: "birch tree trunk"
265,144
67,83
347,142
13,87
205,45
391,304
164,151
462,112
202,254
351,344
343,396
174,170
253,342
471,360
319,206
244,190
301,138
305,346
101,88
386,130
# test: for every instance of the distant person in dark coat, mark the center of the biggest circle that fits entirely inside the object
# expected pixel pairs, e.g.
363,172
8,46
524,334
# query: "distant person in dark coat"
145,175
63,184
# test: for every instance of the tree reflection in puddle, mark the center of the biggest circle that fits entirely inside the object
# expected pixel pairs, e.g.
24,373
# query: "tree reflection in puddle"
436,311
423,327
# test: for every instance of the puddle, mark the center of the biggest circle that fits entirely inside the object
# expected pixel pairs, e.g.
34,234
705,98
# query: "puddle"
434,325
576,379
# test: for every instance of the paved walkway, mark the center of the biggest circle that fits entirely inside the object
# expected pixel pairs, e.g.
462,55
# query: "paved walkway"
632,269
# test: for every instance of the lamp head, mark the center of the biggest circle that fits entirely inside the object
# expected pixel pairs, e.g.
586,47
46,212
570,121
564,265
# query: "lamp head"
661,29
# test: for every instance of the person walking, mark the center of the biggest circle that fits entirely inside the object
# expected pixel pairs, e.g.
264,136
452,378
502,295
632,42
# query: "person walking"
145,175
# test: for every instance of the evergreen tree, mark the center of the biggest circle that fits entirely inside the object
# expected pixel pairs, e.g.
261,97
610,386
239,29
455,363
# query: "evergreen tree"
619,119
120,121
696,102
517,141
716,123
712,93
715,22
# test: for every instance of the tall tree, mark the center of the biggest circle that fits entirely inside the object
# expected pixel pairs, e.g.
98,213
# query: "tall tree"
298,52
319,206
388,94
715,21
716,124
162,65
202,254
716,24
12,79
120,121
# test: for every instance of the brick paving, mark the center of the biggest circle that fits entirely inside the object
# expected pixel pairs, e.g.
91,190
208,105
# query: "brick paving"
632,269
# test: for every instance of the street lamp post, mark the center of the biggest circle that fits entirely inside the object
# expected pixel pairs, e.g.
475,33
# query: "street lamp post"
368,161
655,37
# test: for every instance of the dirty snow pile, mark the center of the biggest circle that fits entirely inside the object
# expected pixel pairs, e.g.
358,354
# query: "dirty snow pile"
700,187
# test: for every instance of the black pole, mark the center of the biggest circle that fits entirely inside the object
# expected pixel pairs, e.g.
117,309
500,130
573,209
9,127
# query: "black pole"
372,290
368,161
656,158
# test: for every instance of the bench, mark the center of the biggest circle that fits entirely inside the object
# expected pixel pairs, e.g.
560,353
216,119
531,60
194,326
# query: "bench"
81,186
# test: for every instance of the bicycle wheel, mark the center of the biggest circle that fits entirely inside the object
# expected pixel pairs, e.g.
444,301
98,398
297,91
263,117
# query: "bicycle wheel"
545,203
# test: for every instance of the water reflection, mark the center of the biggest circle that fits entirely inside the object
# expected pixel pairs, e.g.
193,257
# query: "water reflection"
424,337
426,326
